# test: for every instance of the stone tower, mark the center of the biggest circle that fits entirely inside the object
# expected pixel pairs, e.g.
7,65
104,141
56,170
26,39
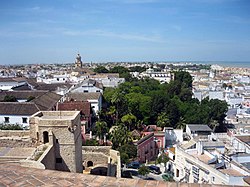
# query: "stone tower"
61,130
78,61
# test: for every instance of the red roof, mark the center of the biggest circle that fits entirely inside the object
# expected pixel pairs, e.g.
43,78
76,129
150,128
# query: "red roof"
82,106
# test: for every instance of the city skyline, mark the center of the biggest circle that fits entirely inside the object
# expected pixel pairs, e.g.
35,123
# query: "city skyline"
124,30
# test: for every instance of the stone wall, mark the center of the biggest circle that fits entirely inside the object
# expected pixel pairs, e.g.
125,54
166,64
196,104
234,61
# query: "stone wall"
48,158
66,129
115,164
12,142
99,155
17,133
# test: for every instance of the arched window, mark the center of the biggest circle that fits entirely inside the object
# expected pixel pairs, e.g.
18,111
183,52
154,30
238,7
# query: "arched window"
45,137
89,163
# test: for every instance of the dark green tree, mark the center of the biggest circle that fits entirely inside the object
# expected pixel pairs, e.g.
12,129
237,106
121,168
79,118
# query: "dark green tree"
143,170
101,69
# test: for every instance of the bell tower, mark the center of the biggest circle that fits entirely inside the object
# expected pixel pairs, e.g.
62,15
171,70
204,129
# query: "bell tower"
78,61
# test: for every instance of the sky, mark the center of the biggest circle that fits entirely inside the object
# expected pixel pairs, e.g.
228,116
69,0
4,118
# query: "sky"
54,31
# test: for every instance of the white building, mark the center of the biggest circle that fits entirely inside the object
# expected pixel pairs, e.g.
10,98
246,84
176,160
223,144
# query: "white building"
95,99
194,164
162,77
88,86
53,79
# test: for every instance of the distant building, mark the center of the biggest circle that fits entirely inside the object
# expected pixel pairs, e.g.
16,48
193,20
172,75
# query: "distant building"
146,148
78,61
95,99
88,86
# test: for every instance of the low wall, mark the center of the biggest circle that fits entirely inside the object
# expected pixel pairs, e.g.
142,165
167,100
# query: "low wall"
10,133
99,155
48,158
100,149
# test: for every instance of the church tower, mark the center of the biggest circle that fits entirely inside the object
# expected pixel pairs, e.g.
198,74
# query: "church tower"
78,61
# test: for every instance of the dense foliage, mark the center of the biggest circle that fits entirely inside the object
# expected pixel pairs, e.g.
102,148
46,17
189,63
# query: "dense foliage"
169,104
10,127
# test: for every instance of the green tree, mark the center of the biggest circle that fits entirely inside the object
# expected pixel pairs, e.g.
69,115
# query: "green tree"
143,170
101,129
101,69
119,100
163,120
163,158
184,77
120,136
129,120
127,151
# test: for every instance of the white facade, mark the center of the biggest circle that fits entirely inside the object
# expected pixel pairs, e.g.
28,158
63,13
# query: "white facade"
96,104
15,119
87,89
193,169
10,84
54,79
110,82
216,95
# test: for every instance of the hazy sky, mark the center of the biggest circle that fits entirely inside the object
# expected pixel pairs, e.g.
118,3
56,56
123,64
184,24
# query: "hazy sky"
54,31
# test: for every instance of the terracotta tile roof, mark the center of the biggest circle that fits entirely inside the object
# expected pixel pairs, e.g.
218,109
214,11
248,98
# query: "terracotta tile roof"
76,105
21,94
15,108
15,175
47,101
84,96
52,87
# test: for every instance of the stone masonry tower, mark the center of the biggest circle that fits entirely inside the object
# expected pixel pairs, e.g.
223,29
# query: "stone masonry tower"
62,131
78,61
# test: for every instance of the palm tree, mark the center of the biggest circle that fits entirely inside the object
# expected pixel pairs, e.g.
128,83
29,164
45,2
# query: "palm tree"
117,99
120,136
129,119
163,120
181,124
101,128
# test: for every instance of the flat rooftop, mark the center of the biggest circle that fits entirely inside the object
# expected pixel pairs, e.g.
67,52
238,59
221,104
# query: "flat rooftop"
56,115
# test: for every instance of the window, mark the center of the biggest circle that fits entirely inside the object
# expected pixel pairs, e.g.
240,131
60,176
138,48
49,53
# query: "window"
57,79
177,173
98,90
213,179
85,91
24,120
6,119
56,140
58,160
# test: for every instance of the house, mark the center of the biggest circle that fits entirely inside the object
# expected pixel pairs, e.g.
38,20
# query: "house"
199,163
172,136
146,148
88,86
17,113
28,103
198,130
85,114
108,79
9,83
95,99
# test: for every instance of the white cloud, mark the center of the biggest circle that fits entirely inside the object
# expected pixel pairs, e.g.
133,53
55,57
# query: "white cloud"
125,36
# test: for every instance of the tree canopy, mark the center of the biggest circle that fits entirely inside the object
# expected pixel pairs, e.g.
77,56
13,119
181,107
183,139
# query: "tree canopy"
169,104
